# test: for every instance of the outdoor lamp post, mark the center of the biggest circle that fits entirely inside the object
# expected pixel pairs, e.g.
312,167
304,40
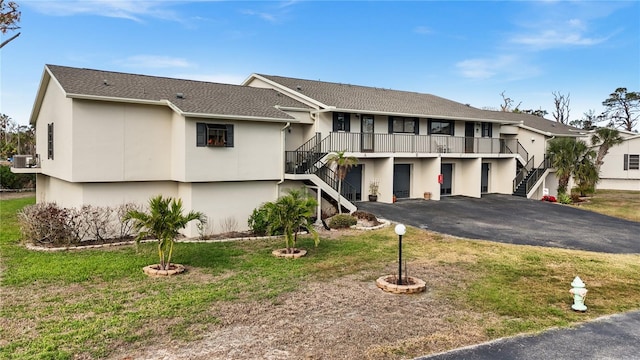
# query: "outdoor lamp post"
400,230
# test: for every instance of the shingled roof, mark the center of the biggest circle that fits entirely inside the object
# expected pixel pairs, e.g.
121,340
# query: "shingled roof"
371,99
379,100
196,97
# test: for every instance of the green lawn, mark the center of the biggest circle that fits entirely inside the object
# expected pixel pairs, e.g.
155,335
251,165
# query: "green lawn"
90,303
622,204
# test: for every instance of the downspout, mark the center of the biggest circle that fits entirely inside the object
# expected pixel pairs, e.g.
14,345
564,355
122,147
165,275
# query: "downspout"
282,151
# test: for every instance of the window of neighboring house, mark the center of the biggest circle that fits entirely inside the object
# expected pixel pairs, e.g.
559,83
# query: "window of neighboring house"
214,135
50,141
405,125
487,129
341,122
631,162
440,127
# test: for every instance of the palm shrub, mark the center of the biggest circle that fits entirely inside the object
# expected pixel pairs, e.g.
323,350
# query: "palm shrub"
343,165
291,212
163,222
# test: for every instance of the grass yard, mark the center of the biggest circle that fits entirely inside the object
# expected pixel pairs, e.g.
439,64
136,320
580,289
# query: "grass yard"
95,304
617,203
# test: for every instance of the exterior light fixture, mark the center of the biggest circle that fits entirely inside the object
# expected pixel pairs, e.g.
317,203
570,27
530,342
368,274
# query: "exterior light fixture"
400,230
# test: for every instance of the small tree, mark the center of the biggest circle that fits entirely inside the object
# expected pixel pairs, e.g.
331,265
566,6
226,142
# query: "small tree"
343,165
605,138
163,222
290,213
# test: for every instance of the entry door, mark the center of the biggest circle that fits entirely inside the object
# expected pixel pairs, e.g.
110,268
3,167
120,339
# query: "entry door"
484,180
468,136
447,175
401,180
367,133
354,178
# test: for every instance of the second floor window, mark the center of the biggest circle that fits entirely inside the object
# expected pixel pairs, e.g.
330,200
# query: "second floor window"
341,122
405,125
440,127
50,141
487,129
214,135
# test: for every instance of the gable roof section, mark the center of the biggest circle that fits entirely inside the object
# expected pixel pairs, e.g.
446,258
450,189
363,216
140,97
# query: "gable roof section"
199,98
377,100
538,124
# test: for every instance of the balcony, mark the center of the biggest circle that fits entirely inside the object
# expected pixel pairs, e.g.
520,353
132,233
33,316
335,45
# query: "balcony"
410,143
25,164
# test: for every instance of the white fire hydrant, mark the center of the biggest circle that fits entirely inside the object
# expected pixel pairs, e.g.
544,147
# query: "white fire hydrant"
579,292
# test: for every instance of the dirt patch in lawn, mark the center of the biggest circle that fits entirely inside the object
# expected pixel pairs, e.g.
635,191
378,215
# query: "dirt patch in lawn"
346,318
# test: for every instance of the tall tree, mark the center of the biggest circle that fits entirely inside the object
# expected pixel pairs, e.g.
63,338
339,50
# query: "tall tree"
605,138
622,108
343,165
507,103
561,104
9,19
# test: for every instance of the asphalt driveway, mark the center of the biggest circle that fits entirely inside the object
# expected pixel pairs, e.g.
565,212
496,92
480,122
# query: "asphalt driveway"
515,220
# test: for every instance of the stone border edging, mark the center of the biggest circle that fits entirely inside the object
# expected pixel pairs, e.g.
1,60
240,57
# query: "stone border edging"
384,222
32,247
417,286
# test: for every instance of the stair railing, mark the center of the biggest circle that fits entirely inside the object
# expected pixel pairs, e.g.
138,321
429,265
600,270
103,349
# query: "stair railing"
522,174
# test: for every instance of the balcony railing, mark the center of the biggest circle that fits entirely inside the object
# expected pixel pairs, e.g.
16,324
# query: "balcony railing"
410,143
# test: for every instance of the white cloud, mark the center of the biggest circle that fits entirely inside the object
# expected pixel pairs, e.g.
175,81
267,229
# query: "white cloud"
135,10
504,67
155,61
551,38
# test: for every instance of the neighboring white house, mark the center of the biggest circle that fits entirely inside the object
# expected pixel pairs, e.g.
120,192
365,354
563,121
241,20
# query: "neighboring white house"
107,138
621,167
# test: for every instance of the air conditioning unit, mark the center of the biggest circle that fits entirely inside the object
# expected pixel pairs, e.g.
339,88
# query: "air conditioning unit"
22,161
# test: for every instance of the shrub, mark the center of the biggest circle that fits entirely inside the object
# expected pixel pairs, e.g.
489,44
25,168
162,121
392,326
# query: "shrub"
47,223
549,198
9,180
341,221
259,222
563,198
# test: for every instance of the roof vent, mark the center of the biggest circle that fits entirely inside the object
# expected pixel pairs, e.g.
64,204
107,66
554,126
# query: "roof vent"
105,82
299,87
180,95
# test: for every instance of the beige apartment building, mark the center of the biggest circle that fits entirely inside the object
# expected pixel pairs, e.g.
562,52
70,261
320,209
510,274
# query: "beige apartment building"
108,138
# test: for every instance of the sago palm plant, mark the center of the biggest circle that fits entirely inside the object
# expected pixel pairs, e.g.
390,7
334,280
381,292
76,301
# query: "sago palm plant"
163,222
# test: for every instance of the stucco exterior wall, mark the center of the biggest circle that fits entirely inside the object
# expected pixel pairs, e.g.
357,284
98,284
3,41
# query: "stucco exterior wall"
56,109
120,142
227,205
501,175
535,144
257,153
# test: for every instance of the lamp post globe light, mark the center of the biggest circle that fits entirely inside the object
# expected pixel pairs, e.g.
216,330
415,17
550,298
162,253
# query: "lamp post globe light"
400,230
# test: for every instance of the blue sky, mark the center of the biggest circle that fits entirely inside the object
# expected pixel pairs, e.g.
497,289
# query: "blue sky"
467,51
